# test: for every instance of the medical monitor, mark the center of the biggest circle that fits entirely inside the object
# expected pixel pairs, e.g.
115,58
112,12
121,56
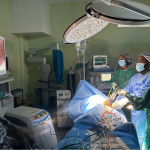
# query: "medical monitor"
99,61
105,77
2,56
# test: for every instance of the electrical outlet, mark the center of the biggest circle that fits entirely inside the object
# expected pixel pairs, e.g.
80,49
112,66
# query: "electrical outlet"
13,88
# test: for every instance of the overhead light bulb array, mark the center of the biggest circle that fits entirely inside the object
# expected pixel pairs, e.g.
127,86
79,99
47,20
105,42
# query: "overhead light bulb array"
82,30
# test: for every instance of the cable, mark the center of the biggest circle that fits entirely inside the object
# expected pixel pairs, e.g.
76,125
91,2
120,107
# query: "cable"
108,113
109,140
96,146
79,65
90,142
104,132
83,53
81,142
75,148
89,136
108,103
86,143
109,93
88,10
102,143
110,90
96,139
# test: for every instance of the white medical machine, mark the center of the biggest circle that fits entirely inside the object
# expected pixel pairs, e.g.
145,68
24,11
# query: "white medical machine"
6,102
36,123
63,119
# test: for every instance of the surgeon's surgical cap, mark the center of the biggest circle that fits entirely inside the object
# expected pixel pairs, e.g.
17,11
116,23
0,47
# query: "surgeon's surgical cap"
128,57
146,55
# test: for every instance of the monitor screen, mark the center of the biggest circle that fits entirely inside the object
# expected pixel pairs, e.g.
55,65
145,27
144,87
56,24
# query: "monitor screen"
105,76
2,56
100,61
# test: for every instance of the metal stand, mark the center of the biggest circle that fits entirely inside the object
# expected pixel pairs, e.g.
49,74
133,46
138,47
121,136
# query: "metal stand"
82,47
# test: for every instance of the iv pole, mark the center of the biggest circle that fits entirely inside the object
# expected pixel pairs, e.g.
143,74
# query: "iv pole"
81,46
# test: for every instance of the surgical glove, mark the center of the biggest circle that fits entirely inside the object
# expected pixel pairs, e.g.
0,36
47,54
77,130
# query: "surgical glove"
113,96
121,92
107,103
108,109
114,85
114,105
130,107
119,104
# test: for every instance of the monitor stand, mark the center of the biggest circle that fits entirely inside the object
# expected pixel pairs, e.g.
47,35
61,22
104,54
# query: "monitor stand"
5,79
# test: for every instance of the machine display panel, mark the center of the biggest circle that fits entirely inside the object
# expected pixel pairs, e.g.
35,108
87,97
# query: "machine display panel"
38,115
105,76
99,61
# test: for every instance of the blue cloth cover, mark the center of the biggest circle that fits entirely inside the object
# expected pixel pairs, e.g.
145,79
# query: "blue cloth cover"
86,109
79,132
138,118
86,98
58,65
88,101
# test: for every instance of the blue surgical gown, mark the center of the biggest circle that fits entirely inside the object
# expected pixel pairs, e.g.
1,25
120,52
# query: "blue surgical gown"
138,93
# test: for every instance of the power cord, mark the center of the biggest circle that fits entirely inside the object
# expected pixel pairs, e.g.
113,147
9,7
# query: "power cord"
79,143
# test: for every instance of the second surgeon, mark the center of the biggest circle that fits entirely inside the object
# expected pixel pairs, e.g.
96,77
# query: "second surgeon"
122,75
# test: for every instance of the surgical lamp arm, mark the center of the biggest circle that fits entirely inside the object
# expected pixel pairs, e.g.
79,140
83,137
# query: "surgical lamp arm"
33,51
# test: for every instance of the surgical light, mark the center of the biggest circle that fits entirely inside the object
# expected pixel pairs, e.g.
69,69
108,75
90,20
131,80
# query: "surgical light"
136,7
124,13
146,25
83,28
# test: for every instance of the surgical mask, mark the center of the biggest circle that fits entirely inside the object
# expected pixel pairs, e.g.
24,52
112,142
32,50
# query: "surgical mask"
140,67
121,63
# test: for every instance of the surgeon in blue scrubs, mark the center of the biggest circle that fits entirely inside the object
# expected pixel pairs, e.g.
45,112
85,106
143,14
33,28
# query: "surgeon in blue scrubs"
137,92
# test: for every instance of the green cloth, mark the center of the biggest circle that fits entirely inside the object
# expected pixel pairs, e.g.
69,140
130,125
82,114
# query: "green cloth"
143,104
121,77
